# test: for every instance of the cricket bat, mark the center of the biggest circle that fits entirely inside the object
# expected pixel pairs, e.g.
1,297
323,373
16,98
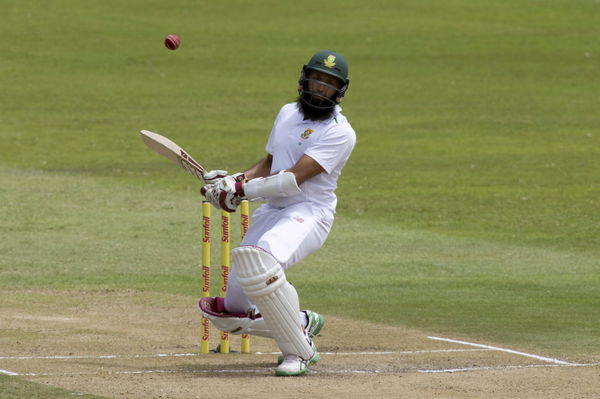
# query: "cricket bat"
174,153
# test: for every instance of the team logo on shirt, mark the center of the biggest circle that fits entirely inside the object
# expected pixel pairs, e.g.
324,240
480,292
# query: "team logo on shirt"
329,62
306,134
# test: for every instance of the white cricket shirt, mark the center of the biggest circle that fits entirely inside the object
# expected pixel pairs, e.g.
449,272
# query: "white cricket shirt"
329,143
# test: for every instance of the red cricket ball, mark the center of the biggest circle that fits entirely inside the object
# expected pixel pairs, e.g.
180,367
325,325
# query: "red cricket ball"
172,42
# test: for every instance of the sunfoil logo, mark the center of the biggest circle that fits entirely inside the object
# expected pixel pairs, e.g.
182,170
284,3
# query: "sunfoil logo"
206,229
206,279
224,277
225,228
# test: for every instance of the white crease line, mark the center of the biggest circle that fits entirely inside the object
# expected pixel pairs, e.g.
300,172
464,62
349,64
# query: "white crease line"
97,356
374,353
321,371
385,352
495,348
222,371
494,368
6,372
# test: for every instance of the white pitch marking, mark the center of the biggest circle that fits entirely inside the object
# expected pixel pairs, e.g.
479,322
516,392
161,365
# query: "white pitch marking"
385,352
6,372
495,348
493,368
96,356
138,372
65,357
486,368
321,371
403,352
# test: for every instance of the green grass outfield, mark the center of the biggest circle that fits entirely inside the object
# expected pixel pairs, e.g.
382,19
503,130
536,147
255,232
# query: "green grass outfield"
470,207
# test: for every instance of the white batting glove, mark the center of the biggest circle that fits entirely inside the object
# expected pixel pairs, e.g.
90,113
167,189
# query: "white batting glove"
230,192
213,176
211,193
229,185
221,199
227,193
229,202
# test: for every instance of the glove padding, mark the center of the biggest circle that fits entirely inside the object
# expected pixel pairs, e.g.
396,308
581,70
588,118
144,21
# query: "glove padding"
226,193
213,176
211,194
230,192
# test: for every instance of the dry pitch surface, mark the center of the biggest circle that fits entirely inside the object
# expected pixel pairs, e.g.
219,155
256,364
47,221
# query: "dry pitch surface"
131,344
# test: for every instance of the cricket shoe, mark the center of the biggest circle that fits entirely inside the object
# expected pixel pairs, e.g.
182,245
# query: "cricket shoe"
293,365
316,322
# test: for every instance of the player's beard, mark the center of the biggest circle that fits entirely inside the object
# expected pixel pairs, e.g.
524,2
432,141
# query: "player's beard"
312,113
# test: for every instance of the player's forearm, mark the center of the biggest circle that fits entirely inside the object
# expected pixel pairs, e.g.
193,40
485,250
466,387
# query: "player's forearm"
306,168
261,169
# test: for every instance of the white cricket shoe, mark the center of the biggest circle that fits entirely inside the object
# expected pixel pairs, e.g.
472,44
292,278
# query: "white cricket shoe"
314,327
294,365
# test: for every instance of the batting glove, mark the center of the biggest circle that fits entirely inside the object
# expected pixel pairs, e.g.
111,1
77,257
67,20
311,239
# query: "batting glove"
230,192
226,194
213,176
211,193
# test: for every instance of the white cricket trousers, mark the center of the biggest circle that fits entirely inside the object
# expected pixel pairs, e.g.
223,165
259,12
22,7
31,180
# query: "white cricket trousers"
289,234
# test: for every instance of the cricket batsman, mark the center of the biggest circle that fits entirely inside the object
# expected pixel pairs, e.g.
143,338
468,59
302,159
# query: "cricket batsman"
308,146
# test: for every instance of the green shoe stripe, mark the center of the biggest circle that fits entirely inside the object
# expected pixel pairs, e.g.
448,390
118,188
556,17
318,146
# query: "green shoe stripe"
316,322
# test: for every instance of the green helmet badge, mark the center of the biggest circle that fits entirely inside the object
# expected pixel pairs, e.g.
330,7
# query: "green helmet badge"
329,62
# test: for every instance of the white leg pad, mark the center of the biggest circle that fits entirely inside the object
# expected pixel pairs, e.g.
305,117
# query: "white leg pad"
263,280
238,326
213,310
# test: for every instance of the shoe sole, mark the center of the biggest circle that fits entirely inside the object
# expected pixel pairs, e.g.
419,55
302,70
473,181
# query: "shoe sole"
286,374
313,360
316,357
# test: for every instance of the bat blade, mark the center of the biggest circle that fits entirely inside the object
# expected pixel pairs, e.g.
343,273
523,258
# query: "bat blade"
174,153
